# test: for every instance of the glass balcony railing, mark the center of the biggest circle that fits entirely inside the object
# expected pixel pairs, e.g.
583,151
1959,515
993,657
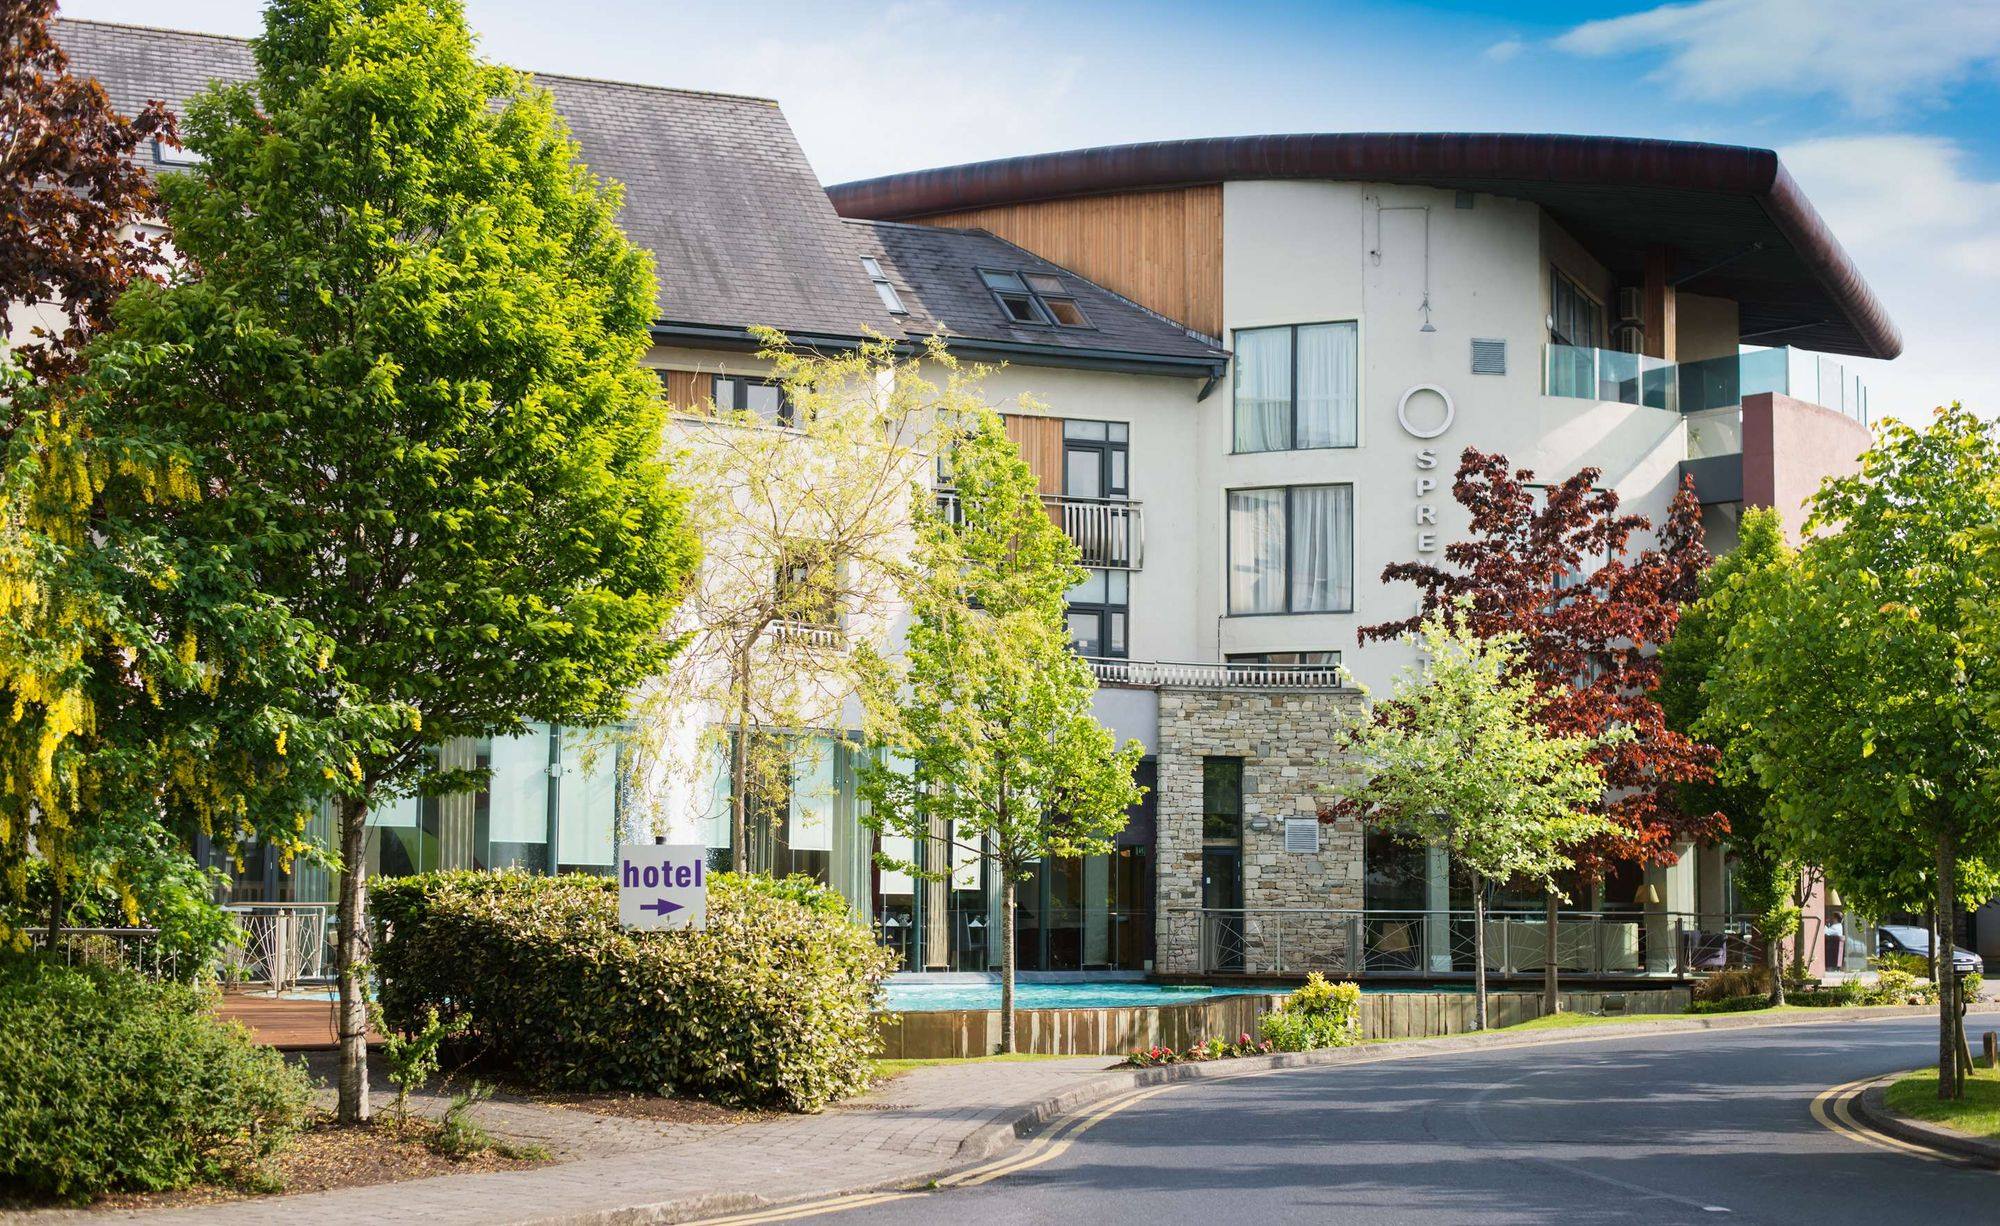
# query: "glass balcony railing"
1713,383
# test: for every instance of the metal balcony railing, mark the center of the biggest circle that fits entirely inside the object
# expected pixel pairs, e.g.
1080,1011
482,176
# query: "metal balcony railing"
1429,944
1110,533
1167,675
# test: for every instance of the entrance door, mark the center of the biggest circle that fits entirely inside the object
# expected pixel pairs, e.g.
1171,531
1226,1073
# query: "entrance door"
1222,903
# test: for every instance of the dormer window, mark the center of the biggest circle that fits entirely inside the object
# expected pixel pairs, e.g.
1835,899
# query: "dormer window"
1035,298
167,154
883,290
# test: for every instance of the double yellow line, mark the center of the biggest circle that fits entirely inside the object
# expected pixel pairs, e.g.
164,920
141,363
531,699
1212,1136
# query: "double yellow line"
1045,1148
1833,1110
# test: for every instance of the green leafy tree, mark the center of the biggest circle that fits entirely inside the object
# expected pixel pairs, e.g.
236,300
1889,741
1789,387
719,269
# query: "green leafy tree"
1861,691
1767,871
405,365
1460,758
148,691
988,729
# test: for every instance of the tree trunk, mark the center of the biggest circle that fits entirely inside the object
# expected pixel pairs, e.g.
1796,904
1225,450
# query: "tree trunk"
1951,1075
58,907
1007,892
739,782
351,960
1551,987
1478,953
1774,959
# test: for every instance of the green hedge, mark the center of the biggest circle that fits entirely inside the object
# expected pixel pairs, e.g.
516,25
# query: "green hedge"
766,1007
109,1082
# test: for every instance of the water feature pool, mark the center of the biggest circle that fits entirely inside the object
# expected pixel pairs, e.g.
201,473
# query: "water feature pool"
1105,994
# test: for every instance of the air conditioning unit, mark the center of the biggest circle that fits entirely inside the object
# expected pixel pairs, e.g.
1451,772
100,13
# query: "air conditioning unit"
1631,303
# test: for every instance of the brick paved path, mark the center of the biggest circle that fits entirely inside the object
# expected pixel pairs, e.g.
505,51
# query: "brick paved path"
627,1170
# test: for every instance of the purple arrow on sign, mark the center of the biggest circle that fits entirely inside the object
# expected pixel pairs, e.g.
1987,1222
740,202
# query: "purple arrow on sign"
662,908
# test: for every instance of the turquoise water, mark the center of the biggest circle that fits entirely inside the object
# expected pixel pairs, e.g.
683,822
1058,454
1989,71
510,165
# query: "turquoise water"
932,997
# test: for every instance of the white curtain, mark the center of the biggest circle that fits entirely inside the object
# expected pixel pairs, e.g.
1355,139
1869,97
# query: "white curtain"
1322,548
1264,389
1257,551
1327,386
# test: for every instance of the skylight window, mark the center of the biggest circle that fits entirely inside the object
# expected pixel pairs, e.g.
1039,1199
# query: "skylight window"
1037,298
175,155
883,290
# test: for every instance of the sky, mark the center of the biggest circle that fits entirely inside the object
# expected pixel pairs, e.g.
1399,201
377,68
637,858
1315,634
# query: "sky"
1887,113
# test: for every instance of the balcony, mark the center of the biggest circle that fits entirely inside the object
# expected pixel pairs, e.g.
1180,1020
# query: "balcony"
1155,674
1616,377
1110,533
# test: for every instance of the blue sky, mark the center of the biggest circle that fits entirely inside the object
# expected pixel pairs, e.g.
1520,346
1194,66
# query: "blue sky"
1886,113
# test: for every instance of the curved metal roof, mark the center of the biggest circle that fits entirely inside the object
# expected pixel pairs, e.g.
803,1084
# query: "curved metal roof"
1737,222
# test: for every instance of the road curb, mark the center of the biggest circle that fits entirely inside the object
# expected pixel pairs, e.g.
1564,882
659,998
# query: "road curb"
1871,1110
995,1138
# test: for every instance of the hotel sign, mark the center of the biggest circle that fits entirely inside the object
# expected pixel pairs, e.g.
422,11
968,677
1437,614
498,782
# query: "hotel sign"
662,886
1424,412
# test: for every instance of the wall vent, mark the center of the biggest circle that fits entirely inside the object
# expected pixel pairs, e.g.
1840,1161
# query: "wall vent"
1489,357
1302,835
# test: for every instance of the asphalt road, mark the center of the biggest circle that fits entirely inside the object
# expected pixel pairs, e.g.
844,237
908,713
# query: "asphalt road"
1692,1126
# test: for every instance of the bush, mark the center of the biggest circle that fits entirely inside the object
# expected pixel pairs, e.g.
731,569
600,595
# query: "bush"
1735,983
109,1082
1730,1004
1320,1014
1914,965
769,1006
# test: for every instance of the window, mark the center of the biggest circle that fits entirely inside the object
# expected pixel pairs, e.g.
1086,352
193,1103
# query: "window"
1035,298
1291,549
808,586
167,154
1575,318
883,290
1221,798
1297,387
1094,459
1098,609
768,400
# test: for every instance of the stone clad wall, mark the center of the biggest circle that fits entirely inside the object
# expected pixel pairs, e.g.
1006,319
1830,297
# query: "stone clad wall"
1284,739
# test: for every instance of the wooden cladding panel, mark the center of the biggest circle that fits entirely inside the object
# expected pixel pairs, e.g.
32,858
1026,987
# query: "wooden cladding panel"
1041,442
688,390
1162,249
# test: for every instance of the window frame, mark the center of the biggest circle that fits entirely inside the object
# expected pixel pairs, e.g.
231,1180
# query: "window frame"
785,417
1292,424
1106,611
885,289
1241,773
1038,300
1105,449
1601,317
1229,549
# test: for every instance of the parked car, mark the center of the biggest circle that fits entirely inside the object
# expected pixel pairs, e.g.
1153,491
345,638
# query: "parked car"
1908,939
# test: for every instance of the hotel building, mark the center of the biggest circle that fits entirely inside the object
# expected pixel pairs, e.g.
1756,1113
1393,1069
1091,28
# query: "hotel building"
1261,358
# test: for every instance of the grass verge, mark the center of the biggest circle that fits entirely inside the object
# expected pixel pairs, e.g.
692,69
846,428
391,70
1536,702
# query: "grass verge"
1977,1114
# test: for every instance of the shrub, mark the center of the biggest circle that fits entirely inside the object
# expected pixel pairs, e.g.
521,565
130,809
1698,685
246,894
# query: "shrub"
109,1082
1320,1014
1914,965
769,1006
1746,981
1730,1004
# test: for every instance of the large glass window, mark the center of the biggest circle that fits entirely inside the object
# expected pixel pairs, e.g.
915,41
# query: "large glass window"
1094,459
1291,549
768,400
1575,318
1297,387
1221,798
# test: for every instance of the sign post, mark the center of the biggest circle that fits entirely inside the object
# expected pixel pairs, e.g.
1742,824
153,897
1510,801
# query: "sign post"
662,886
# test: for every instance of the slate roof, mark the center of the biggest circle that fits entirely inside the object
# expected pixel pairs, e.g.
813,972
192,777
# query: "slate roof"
718,188
936,273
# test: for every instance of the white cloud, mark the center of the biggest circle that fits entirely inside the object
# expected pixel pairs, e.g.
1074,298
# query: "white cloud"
1875,56
1921,225
1506,49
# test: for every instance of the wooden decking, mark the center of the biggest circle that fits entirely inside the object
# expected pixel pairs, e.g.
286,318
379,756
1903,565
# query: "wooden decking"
286,1024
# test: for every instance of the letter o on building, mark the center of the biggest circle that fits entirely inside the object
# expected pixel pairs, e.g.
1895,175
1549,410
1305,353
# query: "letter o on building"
1425,411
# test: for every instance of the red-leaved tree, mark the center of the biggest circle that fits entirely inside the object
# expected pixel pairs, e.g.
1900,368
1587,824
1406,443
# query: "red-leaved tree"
1552,565
71,192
